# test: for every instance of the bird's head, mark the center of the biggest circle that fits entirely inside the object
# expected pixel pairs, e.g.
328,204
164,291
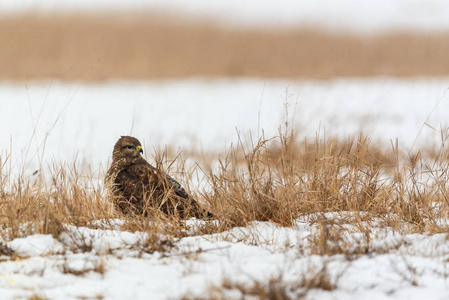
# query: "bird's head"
127,147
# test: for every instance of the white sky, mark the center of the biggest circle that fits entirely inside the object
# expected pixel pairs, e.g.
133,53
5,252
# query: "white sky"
343,15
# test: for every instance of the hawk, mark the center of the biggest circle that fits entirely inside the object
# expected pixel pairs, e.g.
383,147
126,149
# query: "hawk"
136,187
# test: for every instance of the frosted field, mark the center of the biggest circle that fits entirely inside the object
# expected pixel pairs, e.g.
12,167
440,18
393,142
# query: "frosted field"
347,15
81,122
63,122
396,266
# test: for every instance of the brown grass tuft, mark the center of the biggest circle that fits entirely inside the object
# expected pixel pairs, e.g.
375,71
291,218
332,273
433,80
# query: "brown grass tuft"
275,287
37,297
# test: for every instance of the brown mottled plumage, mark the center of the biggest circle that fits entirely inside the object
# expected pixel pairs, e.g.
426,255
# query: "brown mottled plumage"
138,187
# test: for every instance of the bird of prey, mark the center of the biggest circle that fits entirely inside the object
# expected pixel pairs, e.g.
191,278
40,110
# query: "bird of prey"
136,187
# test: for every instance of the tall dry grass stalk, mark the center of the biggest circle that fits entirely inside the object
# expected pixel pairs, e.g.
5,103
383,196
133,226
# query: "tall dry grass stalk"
277,180
281,179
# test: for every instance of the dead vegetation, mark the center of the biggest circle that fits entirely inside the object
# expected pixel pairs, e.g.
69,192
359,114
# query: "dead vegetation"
276,180
5,250
98,265
276,287
346,189
37,297
141,47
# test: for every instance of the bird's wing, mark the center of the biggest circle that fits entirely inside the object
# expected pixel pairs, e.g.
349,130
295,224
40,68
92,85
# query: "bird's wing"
177,188
137,179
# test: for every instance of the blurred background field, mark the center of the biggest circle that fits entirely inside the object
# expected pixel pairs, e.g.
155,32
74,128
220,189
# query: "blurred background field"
77,75
160,40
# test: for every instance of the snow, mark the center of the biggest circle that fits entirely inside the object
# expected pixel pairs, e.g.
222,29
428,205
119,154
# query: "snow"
81,122
34,245
57,122
360,16
258,253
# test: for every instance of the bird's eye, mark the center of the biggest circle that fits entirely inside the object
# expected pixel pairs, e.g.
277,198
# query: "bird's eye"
130,147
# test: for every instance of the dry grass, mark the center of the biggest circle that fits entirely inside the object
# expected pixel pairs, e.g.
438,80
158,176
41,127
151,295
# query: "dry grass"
99,266
37,297
275,180
74,47
281,180
275,287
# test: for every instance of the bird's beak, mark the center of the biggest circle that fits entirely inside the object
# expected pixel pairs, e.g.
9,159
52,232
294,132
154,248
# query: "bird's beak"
139,149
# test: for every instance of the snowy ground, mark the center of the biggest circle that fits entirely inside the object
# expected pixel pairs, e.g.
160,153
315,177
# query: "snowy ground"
81,122
348,15
394,266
